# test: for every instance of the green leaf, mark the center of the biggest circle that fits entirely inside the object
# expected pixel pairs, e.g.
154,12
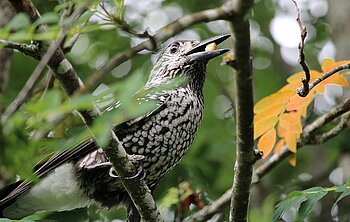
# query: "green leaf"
102,128
291,200
312,196
77,103
20,21
48,18
51,100
63,5
344,189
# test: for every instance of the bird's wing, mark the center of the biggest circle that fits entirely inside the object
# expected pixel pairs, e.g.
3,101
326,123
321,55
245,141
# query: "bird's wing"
9,194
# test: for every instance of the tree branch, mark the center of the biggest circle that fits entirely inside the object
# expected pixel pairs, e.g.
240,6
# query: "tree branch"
244,104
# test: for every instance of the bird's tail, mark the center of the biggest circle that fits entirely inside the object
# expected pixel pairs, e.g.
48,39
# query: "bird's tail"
7,196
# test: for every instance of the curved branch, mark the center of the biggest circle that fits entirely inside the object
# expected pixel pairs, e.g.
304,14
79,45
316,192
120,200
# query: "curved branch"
302,90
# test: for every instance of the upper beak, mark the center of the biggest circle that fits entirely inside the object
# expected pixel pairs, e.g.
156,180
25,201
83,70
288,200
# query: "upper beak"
198,52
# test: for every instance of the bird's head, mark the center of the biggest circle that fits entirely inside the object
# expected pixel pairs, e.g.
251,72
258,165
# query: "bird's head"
185,58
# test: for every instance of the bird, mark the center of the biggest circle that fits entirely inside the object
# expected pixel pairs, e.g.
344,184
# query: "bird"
78,177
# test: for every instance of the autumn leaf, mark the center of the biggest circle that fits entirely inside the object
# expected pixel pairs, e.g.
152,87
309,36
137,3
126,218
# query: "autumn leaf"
280,97
292,159
267,142
279,145
264,125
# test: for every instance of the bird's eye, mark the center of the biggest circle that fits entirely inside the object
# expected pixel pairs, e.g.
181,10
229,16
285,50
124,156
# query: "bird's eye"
174,48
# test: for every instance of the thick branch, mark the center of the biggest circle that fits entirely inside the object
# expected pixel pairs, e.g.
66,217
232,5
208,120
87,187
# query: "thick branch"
245,157
162,35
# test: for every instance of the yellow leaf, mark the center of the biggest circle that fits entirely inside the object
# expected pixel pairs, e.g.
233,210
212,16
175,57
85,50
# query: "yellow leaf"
263,125
267,141
327,64
320,88
336,79
281,132
279,146
297,102
280,97
275,110
291,141
292,159
291,122
303,110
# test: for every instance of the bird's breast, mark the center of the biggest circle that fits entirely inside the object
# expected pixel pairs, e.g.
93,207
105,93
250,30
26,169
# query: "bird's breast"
166,136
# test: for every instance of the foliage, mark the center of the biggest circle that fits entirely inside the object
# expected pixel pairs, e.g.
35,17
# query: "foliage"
305,200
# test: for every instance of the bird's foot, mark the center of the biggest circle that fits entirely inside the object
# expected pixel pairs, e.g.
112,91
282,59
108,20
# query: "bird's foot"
136,159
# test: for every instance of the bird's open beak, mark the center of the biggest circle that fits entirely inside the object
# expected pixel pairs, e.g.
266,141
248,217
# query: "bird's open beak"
199,52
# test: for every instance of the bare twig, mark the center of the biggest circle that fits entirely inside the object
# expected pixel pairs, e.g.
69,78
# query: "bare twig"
304,90
343,123
326,118
123,25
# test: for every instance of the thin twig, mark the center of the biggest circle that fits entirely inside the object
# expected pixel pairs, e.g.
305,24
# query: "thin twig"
304,90
343,123
123,25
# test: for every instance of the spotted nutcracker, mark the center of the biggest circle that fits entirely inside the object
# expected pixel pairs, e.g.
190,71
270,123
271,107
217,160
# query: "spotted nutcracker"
83,175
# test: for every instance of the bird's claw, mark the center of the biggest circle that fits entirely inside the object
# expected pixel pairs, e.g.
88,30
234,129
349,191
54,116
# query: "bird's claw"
135,159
